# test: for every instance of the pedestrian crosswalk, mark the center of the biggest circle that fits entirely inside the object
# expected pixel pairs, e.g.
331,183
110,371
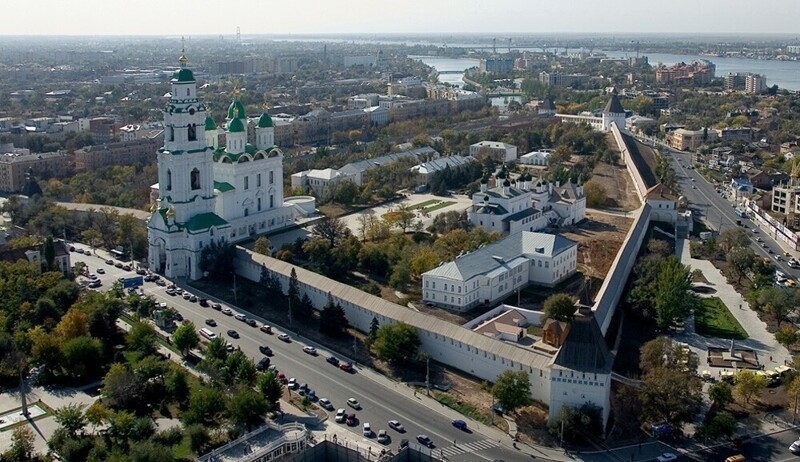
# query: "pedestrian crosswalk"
475,446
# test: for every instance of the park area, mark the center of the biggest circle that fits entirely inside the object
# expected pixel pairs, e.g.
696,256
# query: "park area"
713,319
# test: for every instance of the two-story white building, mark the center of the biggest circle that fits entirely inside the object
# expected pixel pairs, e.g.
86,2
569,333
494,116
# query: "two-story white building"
320,182
495,271
500,151
538,158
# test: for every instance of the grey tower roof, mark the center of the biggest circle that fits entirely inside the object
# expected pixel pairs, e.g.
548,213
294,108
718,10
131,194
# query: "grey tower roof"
613,106
584,348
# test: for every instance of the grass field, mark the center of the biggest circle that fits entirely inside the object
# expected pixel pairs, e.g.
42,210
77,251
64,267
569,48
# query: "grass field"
713,319
422,205
438,206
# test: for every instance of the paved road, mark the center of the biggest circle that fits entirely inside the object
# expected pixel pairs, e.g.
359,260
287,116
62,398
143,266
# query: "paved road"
381,400
719,213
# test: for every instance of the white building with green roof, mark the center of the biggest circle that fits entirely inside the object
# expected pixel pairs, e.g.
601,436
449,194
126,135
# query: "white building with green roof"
209,192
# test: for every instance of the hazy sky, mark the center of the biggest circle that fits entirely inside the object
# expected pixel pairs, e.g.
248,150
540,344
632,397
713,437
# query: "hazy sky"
181,17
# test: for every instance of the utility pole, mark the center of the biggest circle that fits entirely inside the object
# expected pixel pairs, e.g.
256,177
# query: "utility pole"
562,432
428,375
235,293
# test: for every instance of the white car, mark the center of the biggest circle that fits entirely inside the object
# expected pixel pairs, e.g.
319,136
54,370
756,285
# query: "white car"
397,426
795,447
667,457
367,430
292,384
326,404
340,415
352,402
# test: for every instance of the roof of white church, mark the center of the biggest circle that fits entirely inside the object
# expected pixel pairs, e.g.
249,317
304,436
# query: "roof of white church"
499,254
364,165
567,192
441,163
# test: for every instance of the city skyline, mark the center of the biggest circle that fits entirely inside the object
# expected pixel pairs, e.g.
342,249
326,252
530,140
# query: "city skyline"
204,17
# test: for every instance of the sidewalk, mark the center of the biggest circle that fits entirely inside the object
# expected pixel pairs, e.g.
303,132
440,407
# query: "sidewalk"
759,339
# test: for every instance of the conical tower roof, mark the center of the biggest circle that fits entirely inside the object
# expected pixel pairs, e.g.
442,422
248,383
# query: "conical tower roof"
613,106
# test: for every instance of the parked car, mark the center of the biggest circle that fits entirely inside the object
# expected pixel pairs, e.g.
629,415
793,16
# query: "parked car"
325,403
366,430
118,265
193,299
232,333
292,384
160,282
187,295
126,267
203,302
227,312
795,447
266,329
350,420
171,292
285,338
229,347
265,350
252,322
346,366
383,437
397,426
341,414
332,360
240,317
216,306
211,322
101,271
425,440
310,350
667,457
141,272
263,364
403,444
459,424
352,402
110,262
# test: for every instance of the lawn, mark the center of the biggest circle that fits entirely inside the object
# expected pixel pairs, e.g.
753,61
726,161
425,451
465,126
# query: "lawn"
422,205
713,319
438,206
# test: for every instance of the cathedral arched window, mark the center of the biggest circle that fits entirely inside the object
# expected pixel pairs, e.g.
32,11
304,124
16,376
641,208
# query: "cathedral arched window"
171,134
195,179
192,132
169,180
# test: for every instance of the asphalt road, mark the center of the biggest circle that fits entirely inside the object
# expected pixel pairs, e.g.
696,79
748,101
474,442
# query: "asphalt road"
719,212
380,403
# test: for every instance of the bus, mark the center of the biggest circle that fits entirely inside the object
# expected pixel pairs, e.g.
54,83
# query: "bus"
207,334
741,212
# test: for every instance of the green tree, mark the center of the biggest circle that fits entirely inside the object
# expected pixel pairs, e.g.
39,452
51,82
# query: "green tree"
396,342
673,299
512,389
217,259
247,408
142,338
294,297
670,395
346,193
721,394
374,325
331,229
560,307
71,418
721,425
596,195
22,446
206,406
120,387
82,356
185,338
262,246
198,437
740,260
49,252
748,384
662,352
269,386
332,319
786,336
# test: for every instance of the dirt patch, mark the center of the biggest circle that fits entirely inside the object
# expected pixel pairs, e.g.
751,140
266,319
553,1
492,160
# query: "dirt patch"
599,239
615,179
532,425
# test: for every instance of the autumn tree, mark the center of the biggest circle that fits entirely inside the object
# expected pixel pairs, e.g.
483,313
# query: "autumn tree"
262,246
560,307
748,384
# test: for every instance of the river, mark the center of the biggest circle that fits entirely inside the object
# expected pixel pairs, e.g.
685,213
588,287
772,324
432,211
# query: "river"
786,74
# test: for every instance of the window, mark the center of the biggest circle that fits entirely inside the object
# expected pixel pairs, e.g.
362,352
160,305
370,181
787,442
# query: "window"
259,204
246,212
258,180
271,177
192,132
171,133
246,182
195,179
169,180
271,201
187,92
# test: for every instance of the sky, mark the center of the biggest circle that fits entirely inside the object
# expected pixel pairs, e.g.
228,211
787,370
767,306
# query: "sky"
206,17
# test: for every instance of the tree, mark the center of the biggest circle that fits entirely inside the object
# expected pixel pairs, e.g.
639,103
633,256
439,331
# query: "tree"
346,192
198,437
374,325
731,238
741,259
247,408
22,445
142,338
92,236
396,342
748,384
596,195
332,319
787,336
185,338
331,229
401,217
720,425
71,418
149,451
721,394
217,259
670,395
120,387
262,246
269,386
73,324
673,298
206,406
560,307
294,296
49,252
662,352
82,356
512,389
561,155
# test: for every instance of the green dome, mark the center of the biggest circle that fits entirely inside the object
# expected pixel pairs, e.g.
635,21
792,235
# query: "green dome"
235,126
265,121
236,110
210,124
183,75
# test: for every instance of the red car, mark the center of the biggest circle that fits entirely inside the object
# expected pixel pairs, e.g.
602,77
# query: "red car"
347,367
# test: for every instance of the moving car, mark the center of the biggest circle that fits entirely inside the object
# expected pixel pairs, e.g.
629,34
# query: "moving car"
285,338
352,402
425,440
325,403
397,426
341,414
101,271
211,322
310,350
366,430
459,424
265,350
232,333
263,364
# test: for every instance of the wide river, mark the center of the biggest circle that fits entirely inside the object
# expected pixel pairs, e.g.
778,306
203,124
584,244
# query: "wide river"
786,74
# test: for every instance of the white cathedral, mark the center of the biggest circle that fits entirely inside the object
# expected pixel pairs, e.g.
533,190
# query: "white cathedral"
208,192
